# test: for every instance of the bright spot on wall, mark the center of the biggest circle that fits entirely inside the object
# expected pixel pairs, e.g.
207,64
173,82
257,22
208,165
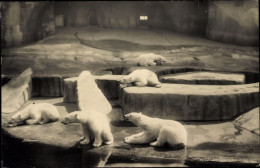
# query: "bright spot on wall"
143,17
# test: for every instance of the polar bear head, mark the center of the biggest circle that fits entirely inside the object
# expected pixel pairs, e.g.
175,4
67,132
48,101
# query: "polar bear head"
138,119
126,79
72,117
16,118
21,115
159,60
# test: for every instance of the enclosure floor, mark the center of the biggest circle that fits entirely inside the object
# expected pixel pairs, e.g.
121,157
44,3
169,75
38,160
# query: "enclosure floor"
235,141
63,54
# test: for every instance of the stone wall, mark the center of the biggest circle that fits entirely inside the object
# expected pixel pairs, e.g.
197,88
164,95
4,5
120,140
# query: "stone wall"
181,16
24,22
235,22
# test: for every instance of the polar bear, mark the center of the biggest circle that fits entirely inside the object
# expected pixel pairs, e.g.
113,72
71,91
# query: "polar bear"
141,77
39,113
157,132
150,59
95,127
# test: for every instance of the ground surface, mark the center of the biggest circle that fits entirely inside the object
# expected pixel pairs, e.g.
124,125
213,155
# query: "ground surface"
63,54
236,141
233,141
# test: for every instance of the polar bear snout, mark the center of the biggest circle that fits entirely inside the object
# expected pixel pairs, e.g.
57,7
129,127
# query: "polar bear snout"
64,122
10,122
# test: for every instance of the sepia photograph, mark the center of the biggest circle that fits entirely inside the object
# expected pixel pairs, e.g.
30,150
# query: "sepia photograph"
146,83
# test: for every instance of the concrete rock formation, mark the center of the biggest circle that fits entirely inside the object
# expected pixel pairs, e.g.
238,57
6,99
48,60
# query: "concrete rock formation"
191,102
17,92
90,97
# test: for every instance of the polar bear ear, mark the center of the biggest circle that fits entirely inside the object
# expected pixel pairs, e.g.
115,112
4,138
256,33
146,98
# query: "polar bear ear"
140,112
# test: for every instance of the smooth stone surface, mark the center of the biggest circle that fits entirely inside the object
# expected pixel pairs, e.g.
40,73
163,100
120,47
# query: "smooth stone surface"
16,92
191,102
210,78
207,141
90,97
107,83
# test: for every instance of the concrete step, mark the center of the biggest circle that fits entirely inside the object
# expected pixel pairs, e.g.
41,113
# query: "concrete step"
191,102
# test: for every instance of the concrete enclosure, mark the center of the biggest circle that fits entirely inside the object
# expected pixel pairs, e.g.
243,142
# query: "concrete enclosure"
24,22
234,22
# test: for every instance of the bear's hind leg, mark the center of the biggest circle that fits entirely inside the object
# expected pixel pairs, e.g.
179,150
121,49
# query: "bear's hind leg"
98,139
108,138
161,139
153,81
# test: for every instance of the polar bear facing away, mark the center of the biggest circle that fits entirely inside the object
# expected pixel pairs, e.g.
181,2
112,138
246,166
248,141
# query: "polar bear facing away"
39,113
157,132
150,59
95,127
141,77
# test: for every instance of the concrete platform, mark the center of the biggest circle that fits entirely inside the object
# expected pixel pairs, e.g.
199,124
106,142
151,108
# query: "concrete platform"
223,142
62,55
191,102
207,78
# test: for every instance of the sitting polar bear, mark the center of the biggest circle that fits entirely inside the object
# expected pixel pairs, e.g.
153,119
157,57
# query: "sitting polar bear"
150,60
141,77
95,127
157,132
40,113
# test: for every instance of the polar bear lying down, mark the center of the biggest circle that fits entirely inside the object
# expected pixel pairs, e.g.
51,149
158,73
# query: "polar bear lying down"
95,127
39,113
150,59
157,132
141,77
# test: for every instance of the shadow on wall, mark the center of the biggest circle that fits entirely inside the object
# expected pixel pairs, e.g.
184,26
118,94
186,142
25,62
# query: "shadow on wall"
25,22
235,22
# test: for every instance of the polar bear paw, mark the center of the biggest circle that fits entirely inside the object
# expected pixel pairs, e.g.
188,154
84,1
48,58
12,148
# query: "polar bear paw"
128,139
153,143
158,85
97,144
108,142
85,142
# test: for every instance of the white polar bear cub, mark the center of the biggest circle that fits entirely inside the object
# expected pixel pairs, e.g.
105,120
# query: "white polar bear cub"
157,132
141,77
95,127
39,113
150,59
